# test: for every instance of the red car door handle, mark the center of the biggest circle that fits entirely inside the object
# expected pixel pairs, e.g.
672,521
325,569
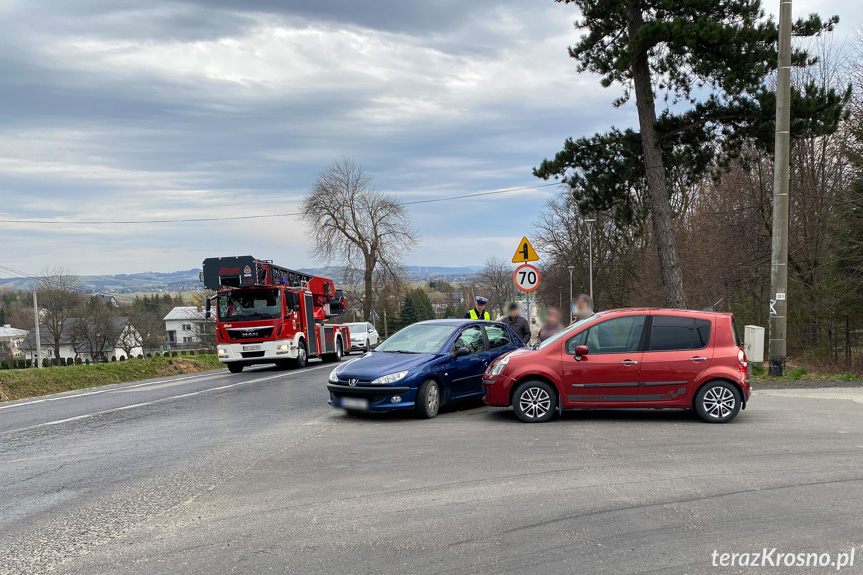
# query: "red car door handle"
697,359
629,362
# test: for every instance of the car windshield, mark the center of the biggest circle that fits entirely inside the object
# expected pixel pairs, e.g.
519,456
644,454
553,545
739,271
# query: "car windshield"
567,331
355,328
250,305
418,338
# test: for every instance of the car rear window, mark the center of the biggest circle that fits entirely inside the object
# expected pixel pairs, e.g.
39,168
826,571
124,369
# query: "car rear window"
674,333
737,340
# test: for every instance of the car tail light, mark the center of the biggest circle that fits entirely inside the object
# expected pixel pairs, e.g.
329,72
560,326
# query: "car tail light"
741,359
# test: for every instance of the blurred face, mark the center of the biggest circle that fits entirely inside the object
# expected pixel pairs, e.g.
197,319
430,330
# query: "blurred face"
480,307
553,316
580,305
513,312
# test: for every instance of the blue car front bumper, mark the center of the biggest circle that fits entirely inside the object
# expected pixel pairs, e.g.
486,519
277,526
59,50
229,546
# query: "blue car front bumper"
371,398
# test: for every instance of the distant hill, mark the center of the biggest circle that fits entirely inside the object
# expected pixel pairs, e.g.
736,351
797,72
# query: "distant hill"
126,283
188,280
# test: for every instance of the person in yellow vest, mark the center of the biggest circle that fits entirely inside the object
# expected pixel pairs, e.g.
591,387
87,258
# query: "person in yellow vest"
478,312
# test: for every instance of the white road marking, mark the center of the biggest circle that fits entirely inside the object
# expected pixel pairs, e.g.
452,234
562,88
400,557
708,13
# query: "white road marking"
181,396
112,387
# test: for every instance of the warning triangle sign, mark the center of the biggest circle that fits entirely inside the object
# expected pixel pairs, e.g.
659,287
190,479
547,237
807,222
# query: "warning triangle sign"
524,252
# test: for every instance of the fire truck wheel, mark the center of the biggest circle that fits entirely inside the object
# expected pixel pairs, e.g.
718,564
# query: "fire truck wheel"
235,367
302,356
335,356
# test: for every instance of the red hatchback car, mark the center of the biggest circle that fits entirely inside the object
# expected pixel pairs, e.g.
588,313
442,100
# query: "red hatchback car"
628,358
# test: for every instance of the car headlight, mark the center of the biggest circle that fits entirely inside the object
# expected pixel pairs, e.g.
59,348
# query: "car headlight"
223,352
391,378
498,368
333,377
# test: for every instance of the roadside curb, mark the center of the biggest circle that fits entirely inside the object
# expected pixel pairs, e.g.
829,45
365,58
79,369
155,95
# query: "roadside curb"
806,384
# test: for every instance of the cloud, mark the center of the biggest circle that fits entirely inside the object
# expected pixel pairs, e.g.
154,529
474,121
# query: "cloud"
198,108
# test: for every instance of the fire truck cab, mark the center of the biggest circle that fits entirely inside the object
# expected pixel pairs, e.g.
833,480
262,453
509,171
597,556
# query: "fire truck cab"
269,314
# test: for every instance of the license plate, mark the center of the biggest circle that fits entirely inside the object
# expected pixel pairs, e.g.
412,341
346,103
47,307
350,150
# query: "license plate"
251,348
355,403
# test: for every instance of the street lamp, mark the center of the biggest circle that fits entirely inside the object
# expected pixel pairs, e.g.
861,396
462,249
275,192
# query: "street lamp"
590,223
570,268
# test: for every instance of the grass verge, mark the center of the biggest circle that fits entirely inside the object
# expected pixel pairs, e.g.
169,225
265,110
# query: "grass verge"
24,383
802,374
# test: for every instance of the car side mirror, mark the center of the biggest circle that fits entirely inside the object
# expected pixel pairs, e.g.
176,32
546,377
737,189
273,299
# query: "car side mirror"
462,352
580,351
296,307
207,305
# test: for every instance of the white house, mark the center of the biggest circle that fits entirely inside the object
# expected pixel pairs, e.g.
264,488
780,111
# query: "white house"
126,342
11,340
186,326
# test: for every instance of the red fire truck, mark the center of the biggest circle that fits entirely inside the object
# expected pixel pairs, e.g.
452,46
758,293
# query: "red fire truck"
270,314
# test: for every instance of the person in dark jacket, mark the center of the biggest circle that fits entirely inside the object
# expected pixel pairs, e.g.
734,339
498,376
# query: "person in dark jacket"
517,323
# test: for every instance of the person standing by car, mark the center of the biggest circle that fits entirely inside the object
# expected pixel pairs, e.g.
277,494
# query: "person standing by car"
551,326
478,312
534,331
517,323
583,308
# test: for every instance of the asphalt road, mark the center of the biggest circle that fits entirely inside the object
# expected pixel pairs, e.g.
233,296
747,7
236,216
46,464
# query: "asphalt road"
254,473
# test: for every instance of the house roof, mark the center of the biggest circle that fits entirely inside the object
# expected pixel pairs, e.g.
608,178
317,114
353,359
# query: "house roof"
185,312
9,332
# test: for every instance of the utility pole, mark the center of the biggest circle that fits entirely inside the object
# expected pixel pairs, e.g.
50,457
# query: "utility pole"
781,175
36,323
590,223
570,268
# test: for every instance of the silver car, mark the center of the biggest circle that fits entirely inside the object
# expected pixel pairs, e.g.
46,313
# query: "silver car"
364,336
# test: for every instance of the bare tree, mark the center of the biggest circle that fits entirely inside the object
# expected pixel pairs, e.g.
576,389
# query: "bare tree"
358,225
59,294
21,316
129,339
562,233
96,329
496,278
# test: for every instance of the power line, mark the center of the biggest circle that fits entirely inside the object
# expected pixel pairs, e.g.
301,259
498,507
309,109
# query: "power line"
18,272
46,279
258,216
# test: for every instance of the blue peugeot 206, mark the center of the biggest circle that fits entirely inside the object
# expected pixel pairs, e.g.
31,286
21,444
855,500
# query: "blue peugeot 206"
422,367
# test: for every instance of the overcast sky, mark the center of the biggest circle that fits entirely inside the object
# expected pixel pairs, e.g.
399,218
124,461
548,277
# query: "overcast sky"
124,109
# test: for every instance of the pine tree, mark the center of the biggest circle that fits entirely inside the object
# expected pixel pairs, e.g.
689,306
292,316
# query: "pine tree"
680,50
422,304
408,313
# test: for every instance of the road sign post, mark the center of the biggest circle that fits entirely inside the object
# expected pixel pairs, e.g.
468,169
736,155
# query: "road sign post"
526,277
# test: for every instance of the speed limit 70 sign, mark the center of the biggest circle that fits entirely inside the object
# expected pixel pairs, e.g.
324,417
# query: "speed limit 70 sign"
526,278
